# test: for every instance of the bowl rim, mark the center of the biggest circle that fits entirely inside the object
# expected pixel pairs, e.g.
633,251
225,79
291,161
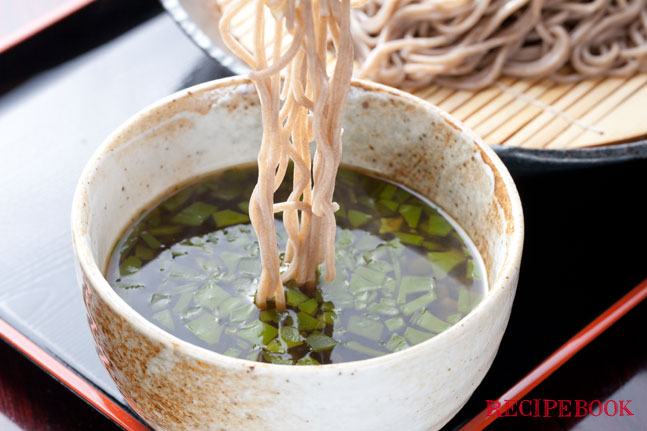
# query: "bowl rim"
90,270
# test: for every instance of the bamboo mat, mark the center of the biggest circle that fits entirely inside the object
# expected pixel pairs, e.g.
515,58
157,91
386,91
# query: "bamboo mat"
529,113
543,114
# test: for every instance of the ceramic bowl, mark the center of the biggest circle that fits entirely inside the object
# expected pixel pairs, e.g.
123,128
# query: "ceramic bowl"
177,386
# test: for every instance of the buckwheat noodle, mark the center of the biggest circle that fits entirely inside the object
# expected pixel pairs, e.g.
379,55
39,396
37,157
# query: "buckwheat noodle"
300,103
467,44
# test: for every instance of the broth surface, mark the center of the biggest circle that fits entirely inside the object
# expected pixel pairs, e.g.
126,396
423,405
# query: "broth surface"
405,272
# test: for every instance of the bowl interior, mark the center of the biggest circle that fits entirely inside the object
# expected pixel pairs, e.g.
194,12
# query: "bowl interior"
218,125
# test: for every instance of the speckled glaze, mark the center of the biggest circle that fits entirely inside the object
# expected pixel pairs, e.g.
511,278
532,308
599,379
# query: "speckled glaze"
177,386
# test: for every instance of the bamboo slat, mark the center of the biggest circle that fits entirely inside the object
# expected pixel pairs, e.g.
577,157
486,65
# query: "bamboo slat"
522,136
502,117
629,88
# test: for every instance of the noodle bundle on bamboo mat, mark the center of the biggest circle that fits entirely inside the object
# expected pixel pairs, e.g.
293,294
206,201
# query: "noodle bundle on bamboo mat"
531,73
468,44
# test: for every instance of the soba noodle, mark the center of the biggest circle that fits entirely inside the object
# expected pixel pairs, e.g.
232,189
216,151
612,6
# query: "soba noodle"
305,105
467,44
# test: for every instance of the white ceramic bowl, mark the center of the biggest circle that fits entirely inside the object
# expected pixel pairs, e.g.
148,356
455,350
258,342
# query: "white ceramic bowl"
177,386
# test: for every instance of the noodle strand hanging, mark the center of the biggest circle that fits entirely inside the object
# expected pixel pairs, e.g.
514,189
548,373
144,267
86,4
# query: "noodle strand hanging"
300,103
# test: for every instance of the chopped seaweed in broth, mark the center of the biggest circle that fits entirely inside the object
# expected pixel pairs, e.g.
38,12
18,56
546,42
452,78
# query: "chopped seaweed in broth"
404,273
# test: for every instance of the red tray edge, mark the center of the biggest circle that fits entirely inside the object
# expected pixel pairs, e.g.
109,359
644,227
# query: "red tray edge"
69,378
560,356
36,25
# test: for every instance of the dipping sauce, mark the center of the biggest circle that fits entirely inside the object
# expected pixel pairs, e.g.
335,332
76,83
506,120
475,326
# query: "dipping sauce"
405,273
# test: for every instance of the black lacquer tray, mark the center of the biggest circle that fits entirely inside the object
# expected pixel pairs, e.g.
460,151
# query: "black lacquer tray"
585,228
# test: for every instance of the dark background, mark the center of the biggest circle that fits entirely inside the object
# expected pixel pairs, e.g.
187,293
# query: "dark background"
586,232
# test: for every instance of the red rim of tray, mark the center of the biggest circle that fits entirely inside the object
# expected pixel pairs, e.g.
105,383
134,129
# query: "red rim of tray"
560,356
40,23
69,378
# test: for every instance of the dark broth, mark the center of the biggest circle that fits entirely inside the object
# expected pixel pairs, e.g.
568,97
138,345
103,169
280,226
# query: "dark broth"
405,273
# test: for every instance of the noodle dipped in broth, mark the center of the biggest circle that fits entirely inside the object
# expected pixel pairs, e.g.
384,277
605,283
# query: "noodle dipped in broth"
307,105
468,44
